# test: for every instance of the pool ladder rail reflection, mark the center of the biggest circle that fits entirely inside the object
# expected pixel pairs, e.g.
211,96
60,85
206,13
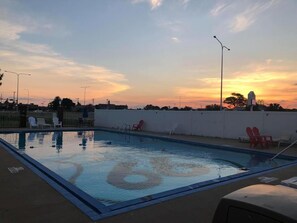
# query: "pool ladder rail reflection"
293,143
126,127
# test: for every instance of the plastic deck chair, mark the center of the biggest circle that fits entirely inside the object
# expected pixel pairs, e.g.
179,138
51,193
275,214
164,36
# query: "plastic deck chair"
253,140
285,139
265,139
32,122
56,122
41,122
138,126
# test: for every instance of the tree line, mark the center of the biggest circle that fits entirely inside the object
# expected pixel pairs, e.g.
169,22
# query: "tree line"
237,100
234,102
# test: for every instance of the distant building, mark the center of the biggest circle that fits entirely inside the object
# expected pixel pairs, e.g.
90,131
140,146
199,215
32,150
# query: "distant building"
110,106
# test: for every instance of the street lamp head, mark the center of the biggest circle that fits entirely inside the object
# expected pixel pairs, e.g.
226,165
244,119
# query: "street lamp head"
226,48
7,71
214,37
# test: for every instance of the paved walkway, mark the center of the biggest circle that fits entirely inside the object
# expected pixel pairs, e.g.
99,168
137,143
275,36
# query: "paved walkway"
25,197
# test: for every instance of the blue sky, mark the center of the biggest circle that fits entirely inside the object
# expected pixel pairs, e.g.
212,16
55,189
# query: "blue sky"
140,52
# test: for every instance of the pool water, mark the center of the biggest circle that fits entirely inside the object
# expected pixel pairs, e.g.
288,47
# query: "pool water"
116,167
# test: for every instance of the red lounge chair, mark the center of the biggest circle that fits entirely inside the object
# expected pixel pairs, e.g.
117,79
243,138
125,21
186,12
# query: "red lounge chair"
265,138
138,126
253,140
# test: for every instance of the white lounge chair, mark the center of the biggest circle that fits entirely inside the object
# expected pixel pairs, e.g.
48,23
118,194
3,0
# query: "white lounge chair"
285,139
56,122
32,122
173,129
41,123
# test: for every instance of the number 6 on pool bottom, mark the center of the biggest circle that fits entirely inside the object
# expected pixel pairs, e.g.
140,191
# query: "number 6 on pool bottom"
161,165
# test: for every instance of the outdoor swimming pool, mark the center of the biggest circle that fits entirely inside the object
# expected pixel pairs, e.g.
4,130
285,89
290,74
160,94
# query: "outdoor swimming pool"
120,170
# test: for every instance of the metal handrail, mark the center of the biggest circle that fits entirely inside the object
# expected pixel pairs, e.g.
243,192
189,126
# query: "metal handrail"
289,146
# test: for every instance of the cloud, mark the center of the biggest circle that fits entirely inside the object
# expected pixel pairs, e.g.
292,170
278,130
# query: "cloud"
241,14
157,3
10,36
175,39
173,26
246,18
50,70
10,31
51,73
154,3
271,82
219,8
184,2
31,48
241,23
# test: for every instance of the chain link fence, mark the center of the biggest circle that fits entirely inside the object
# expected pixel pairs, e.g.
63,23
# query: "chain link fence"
11,119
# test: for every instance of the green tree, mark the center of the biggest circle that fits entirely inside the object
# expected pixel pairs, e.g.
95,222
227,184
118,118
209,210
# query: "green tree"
151,107
55,103
275,107
186,108
165,108
175,108
67,104
236,100
212,107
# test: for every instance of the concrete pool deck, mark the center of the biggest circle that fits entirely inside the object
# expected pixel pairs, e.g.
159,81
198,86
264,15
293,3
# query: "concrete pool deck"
25,197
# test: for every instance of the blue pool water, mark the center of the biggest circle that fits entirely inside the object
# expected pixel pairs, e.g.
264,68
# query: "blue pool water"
115,167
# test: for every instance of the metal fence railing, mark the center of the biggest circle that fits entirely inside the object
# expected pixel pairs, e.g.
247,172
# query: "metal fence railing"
9,119
12,119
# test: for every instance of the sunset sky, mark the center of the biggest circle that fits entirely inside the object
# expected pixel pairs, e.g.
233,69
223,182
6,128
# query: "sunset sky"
140,52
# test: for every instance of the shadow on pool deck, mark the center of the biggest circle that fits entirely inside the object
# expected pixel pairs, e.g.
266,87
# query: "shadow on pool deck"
25,197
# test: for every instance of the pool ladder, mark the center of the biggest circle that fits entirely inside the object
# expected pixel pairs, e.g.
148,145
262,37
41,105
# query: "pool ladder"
293,143
126,127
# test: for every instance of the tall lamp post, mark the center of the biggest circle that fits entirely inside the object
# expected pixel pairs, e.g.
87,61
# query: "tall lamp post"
222,60
18,77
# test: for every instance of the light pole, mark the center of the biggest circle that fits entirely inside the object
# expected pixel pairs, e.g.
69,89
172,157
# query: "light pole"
222,60
85,87
18,77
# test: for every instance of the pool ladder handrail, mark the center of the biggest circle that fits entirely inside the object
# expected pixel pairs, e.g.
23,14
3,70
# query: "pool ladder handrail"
126,127
289,146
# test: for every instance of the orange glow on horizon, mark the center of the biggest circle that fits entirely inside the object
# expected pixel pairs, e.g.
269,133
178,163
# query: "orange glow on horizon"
271,87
